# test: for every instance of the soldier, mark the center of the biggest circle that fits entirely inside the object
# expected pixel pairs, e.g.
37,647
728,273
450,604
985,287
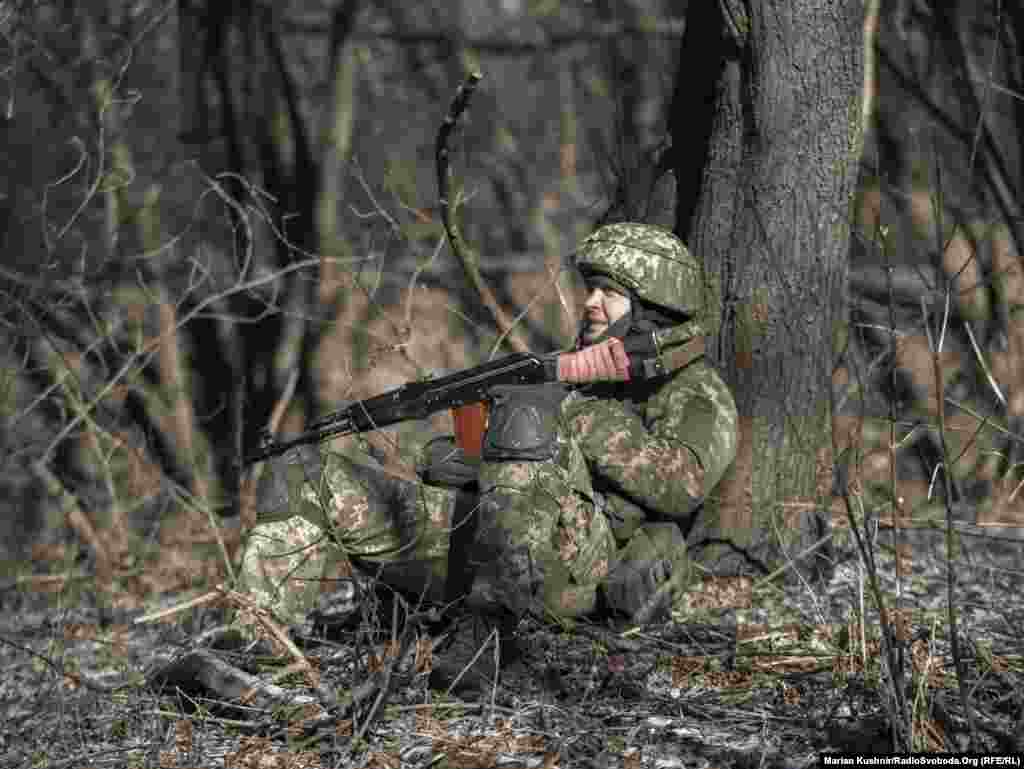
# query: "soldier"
586,486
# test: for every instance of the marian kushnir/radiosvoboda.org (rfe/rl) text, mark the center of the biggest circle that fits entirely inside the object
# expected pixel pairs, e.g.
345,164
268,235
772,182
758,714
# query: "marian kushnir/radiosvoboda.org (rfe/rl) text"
921,759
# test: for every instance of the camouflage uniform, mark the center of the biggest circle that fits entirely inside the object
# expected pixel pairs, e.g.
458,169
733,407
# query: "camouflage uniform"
602,511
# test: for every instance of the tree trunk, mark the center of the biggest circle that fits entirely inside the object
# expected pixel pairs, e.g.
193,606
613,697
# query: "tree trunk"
769,216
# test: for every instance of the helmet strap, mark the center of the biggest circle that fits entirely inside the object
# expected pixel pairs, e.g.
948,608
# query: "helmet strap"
660,317
619,328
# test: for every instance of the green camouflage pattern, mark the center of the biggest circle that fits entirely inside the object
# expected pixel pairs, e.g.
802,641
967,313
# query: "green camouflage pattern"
541,544
545,538
320,513
665,454
649,260
288,564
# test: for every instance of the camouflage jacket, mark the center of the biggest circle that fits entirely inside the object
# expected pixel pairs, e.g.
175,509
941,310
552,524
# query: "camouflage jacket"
655,451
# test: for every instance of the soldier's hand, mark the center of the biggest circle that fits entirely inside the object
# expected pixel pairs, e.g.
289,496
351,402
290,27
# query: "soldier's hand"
613,360
606,361
641,584
633,584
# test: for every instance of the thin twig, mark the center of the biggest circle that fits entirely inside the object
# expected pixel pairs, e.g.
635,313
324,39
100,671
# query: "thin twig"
78,678
897,665
984,366
894,703
937,371
471,662
201,600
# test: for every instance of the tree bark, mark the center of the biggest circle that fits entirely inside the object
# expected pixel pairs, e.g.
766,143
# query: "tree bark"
770,220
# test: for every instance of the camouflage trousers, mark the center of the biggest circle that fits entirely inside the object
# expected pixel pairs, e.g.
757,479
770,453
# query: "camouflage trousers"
321,514
528,540
531,538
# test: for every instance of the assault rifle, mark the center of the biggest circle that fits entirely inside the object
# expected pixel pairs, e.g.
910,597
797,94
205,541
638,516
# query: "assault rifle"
650,355
418,400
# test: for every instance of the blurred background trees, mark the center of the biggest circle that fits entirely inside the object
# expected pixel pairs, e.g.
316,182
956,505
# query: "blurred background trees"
221,216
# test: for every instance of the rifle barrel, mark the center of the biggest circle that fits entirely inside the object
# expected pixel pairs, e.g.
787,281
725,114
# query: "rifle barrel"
340,424
415,400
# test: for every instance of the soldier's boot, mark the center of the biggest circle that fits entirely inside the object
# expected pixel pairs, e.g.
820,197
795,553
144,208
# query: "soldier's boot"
540,546
321,515
650,574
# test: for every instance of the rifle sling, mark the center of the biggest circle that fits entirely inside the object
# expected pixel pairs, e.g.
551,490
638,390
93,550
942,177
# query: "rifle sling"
674,358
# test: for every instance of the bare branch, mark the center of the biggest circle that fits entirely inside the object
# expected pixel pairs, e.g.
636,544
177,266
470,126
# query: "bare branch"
144,356
448,205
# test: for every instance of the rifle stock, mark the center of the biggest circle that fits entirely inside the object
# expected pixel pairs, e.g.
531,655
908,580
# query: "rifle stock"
417,400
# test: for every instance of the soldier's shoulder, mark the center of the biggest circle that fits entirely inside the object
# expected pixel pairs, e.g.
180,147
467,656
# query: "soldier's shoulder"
699,376
698,381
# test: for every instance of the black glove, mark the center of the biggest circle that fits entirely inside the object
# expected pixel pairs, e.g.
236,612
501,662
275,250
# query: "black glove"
443,463
644,565
632,584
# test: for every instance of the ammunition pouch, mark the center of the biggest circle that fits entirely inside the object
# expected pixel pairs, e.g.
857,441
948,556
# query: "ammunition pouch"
523,423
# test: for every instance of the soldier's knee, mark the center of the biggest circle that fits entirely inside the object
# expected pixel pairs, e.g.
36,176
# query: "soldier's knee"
283,565
281,478
540,547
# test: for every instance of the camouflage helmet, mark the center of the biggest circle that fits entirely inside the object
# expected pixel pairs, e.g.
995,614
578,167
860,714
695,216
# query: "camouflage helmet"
648,260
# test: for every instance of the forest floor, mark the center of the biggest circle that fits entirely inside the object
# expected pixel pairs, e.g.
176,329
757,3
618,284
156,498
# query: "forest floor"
776,684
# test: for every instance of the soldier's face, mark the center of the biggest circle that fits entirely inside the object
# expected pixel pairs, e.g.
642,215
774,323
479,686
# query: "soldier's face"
603,306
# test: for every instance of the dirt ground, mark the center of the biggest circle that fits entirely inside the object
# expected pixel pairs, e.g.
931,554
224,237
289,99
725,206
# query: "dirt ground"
775,684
